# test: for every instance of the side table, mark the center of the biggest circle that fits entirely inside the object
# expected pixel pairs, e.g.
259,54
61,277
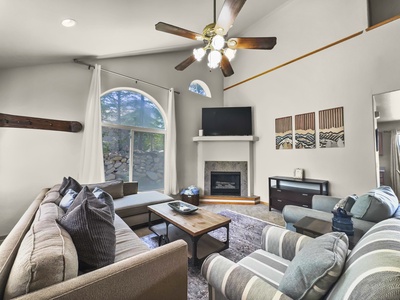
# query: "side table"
314,227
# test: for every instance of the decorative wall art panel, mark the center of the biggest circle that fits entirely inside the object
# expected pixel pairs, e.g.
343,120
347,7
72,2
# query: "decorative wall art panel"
331,128
304,134
283,133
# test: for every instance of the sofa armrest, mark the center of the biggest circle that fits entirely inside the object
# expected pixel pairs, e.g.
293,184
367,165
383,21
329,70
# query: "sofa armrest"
228,280
160,273
324,203
282,242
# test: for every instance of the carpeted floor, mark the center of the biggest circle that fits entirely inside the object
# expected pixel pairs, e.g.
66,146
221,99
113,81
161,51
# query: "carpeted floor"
245,237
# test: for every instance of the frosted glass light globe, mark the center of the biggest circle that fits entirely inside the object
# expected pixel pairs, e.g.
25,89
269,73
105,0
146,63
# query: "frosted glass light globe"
214,58
199,53
218,42
230,53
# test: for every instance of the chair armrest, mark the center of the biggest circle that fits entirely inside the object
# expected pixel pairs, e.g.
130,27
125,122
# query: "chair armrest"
324,203
228,280
160,273
282,242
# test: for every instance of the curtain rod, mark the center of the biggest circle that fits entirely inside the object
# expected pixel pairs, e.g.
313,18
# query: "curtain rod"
122,75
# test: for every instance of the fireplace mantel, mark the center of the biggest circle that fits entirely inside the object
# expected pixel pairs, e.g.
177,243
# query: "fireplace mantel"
225,149
226,138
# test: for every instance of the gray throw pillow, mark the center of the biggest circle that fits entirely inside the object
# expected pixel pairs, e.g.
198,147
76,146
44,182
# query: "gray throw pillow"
67,200
316,268
69,183
346,203
106,198
376,205
90,224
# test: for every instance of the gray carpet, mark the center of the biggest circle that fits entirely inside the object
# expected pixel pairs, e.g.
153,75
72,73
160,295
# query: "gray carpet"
245,237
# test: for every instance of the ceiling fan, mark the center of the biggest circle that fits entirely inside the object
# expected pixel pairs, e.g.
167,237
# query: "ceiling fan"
220,51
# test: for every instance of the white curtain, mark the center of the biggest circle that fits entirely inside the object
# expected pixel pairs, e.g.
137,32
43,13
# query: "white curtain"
91,165
170,177
394,162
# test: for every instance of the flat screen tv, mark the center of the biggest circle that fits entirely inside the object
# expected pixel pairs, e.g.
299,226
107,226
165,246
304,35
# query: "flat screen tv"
227,121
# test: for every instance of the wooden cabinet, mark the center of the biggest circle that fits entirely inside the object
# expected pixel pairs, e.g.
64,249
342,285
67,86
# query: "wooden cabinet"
290,191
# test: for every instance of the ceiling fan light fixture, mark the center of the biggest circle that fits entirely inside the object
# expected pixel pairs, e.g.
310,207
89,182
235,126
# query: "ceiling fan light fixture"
68,23
199,53
230,53
232,43
214,58
218,42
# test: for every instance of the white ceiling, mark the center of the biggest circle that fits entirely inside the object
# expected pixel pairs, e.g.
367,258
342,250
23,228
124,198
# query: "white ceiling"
31,31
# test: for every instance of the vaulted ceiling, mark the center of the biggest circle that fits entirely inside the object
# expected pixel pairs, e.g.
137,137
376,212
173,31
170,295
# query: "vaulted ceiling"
31,31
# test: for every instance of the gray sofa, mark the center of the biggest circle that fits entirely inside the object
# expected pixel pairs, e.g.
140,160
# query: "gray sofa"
322,207
38,260
376,205
293,266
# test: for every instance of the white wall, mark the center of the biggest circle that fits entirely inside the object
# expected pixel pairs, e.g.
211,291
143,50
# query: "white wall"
345,75
32,159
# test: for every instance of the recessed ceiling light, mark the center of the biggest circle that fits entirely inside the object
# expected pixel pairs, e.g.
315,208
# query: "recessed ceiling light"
68,23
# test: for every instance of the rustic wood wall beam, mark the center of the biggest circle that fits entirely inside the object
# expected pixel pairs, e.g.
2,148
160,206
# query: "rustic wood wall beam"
7,120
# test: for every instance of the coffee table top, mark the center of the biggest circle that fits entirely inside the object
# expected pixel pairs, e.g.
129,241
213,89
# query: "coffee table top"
197,223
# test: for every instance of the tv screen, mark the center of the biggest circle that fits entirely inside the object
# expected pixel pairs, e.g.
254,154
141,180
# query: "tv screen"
227,121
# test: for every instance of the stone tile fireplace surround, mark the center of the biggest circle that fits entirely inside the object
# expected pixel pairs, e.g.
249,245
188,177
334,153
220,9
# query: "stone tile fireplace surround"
225,153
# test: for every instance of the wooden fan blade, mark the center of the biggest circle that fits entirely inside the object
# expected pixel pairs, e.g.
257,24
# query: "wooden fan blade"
168,28
226,66
186,63
252,43
229,11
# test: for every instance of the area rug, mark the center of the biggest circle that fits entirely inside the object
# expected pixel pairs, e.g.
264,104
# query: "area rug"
245,237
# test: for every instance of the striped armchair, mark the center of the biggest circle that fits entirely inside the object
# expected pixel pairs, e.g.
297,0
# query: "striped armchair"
370,271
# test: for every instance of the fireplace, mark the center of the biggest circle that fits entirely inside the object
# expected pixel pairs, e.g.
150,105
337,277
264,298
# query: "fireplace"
225,183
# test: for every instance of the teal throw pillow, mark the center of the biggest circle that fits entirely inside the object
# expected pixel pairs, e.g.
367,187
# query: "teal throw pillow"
316,268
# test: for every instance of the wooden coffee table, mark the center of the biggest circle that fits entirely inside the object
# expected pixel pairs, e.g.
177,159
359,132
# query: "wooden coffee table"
192,228
314,227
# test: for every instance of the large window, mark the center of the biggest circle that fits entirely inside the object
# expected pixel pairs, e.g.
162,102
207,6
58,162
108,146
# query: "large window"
133,138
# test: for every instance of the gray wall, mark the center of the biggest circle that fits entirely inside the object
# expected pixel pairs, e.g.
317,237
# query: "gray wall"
347,75
33,159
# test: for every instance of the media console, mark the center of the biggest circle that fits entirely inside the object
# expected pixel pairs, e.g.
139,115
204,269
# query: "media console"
291,191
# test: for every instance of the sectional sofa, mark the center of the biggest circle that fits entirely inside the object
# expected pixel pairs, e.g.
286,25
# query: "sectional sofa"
39,260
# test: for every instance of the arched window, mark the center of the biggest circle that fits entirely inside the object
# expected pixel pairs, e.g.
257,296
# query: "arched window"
200,87
133,138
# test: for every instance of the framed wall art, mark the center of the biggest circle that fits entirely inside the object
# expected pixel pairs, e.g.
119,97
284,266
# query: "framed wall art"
304,131
283,133
331,128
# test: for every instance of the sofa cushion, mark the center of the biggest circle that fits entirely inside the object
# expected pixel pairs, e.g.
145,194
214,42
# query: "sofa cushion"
53,195
376,205
128,244
315,269
46,256
48,211
106,198
114,187
268,266
67,200
90,224
372,269
137,204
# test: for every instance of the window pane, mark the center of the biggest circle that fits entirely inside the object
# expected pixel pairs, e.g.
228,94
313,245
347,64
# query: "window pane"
196,88
130,108
148,160
116,144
